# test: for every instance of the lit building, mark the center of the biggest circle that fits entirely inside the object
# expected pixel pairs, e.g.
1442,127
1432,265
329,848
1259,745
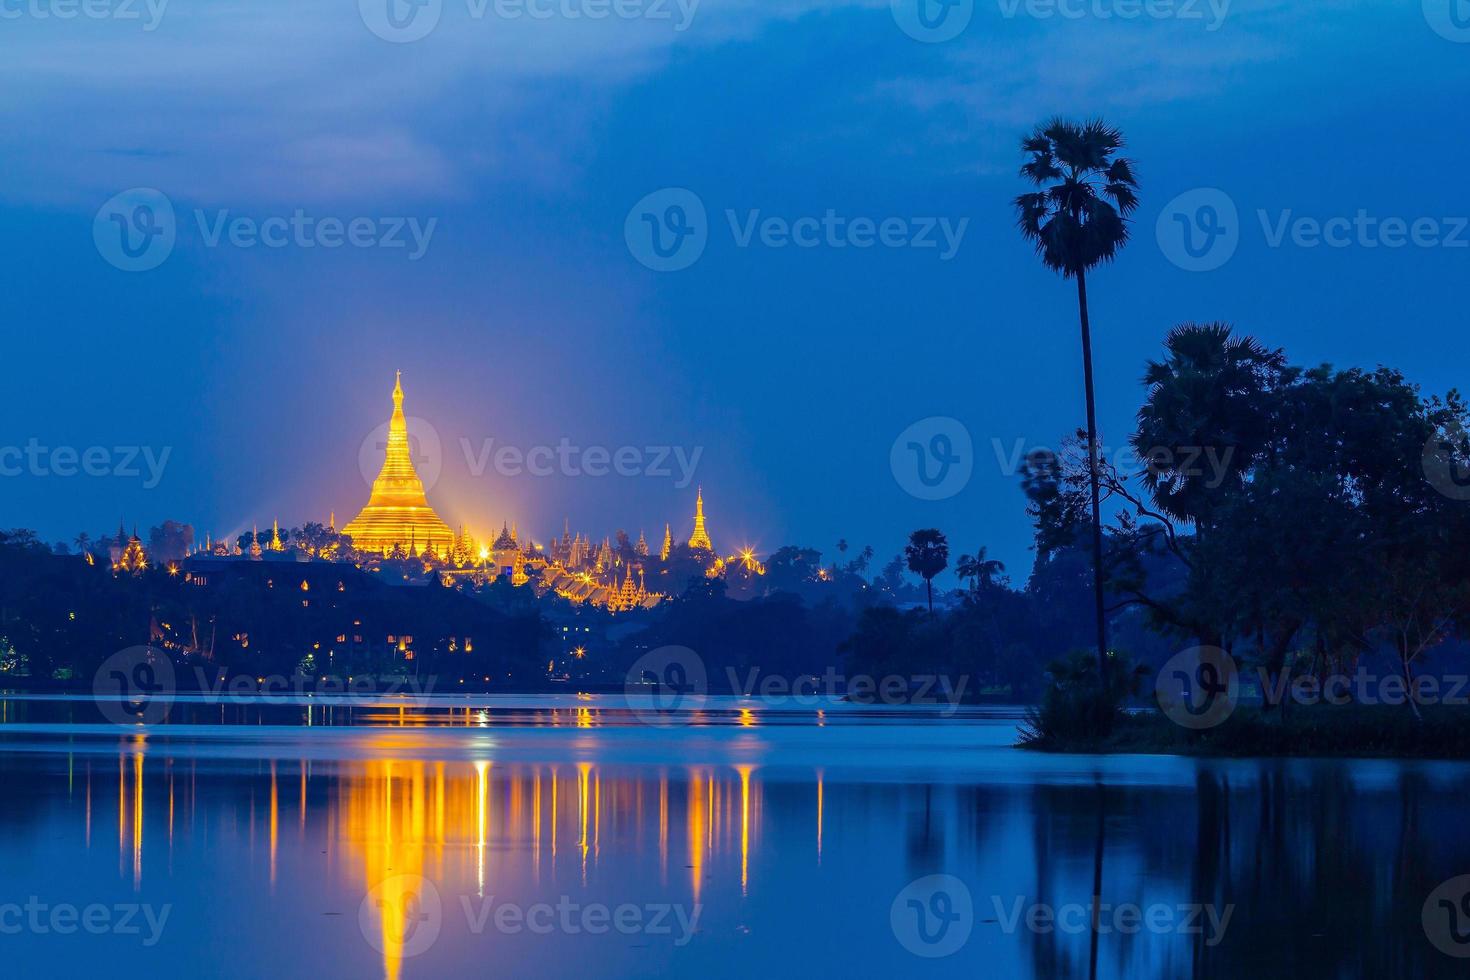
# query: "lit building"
398,514
700,537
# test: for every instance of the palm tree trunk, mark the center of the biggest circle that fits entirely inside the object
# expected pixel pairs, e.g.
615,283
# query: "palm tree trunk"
1097,547
929,584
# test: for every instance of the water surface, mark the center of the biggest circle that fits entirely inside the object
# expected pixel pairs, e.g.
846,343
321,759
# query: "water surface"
310,837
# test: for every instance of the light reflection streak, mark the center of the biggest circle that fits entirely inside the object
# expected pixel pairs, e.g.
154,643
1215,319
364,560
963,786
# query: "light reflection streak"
820,789
275,814
137,819
744,828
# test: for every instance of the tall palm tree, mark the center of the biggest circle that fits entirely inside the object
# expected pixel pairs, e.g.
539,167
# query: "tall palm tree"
928,554
1078,219
83,539
978,570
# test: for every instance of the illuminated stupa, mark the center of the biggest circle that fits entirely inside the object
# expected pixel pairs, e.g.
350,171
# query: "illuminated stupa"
700,537
397,512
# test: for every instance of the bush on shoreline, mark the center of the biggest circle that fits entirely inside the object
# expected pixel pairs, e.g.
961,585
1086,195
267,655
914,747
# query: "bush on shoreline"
1362,731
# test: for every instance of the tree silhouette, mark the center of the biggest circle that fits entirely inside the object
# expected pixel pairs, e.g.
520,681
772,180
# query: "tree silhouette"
1077,220
978,570
927,554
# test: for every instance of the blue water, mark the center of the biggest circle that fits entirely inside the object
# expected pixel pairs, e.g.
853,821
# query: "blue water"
425,837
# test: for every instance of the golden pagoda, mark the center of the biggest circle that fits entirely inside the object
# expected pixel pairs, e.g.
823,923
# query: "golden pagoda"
700,537
397,511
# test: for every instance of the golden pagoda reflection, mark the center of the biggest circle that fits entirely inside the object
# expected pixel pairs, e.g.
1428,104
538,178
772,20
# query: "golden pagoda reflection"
398,512
406,825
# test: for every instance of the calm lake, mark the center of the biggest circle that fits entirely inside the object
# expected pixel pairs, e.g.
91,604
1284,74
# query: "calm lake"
572,837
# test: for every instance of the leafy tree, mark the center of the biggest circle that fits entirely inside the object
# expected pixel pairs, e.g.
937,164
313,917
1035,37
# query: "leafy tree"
1208,418
170,541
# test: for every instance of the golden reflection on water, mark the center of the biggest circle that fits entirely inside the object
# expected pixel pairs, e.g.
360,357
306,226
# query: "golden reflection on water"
396,818
456,821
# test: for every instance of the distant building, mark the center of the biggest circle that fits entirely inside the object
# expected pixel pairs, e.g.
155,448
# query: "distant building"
398,515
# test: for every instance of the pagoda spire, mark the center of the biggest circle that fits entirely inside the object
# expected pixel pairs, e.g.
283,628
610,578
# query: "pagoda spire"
668,543
700,537
397,506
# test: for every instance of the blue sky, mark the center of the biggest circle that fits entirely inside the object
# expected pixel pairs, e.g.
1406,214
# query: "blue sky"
528,319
